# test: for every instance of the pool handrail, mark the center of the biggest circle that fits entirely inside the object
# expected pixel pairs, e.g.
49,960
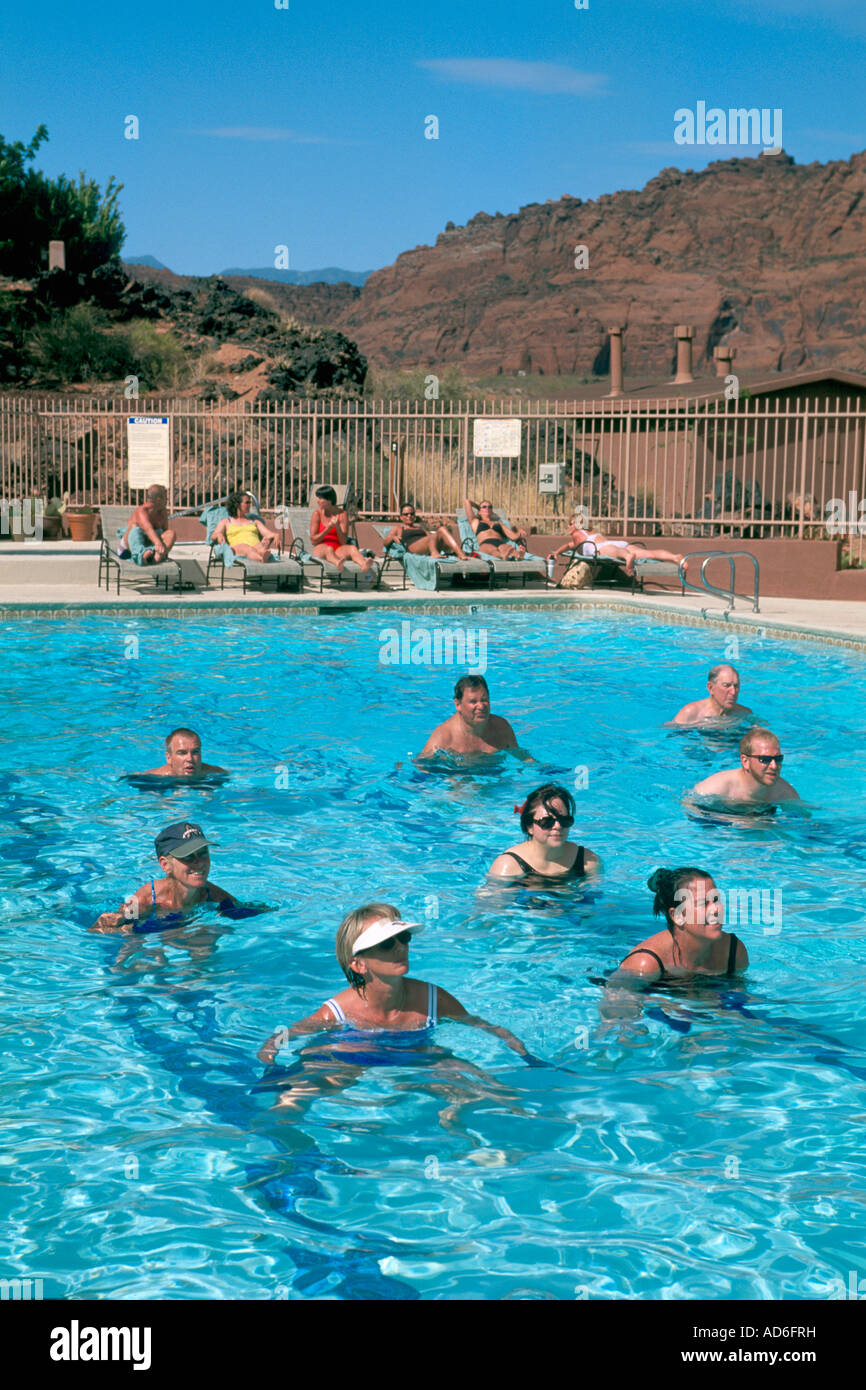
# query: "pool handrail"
730,594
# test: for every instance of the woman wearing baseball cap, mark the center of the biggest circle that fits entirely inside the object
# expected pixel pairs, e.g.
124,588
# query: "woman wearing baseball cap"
183,852
383,1011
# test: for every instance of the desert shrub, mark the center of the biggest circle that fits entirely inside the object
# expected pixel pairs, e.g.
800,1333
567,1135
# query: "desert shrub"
77,345
81,345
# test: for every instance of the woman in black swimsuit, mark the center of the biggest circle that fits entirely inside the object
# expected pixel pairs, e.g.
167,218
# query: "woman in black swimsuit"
546,817
414,537
492,536
692,941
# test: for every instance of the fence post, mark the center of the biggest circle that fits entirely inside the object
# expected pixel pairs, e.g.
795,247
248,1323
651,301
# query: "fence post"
627,471
802,506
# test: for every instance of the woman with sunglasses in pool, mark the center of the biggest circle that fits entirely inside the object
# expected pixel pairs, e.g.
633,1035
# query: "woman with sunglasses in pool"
384,1014
546,817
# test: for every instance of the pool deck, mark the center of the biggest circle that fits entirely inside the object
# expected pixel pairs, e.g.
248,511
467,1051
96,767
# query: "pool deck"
835,621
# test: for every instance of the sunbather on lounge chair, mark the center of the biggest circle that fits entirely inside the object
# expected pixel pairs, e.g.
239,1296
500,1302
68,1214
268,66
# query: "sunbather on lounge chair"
329,533
245,535
494,537
413,536
148,537
591,543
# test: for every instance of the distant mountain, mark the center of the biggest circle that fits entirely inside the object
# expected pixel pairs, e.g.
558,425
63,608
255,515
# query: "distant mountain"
331,275
144,260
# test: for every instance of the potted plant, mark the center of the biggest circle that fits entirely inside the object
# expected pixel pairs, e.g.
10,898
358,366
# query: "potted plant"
81,523
52,520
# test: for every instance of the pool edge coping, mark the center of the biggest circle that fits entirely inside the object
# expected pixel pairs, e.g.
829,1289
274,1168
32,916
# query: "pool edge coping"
428,604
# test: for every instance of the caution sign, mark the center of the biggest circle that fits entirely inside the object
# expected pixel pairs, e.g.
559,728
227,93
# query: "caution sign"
149,446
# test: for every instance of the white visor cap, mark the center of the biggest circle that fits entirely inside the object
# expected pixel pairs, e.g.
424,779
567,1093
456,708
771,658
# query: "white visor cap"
380,930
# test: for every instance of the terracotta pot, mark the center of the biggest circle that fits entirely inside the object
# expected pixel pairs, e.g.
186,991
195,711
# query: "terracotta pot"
82,525
51,527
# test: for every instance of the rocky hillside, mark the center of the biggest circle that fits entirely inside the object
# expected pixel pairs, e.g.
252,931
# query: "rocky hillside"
761,253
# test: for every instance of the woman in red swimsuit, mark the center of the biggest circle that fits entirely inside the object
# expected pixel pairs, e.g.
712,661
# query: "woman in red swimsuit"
328,533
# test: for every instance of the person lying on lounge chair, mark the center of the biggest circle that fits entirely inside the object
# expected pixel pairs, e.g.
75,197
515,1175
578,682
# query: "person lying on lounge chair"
329,533
591,543
414,536
494,537
244,534
148,537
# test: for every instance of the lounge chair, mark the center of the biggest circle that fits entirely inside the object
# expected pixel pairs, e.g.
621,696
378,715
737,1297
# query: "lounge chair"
424,571
114,523
283,569
299,519
609,569
531,566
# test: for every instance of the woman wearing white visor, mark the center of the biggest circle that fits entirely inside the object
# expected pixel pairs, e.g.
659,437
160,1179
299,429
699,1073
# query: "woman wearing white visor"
383,1010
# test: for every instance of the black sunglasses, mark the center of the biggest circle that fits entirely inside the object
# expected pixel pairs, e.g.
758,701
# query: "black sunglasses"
767,758
404,937
548,822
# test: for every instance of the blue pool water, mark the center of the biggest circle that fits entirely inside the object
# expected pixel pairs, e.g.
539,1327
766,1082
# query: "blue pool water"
711,1148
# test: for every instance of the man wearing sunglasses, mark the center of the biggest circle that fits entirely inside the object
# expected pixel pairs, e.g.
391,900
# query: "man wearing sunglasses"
758,778
472,728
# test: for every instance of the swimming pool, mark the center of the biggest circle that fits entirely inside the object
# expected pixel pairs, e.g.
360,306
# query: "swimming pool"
711,1149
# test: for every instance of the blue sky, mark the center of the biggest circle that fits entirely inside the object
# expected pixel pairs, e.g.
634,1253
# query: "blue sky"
304,126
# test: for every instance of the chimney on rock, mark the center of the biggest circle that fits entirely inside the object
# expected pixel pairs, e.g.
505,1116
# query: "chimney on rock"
724,359
57,255
683,335
615,361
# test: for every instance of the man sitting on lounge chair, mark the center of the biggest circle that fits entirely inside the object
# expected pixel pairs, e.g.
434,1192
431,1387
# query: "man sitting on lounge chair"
593,543
494,537
148,538
242,533
413,536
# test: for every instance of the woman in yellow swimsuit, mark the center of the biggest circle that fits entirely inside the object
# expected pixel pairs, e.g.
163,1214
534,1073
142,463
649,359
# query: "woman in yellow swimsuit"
245,535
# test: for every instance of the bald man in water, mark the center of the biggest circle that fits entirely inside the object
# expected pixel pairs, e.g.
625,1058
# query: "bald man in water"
723,684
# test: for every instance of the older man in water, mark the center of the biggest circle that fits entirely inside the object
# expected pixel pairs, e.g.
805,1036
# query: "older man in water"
183,757
758,778
472,728
723,684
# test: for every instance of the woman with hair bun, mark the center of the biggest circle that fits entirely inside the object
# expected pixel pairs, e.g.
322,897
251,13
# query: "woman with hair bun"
546,817
692,941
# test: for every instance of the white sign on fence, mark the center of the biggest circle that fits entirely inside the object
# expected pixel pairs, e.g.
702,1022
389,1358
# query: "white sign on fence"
149,445
499,439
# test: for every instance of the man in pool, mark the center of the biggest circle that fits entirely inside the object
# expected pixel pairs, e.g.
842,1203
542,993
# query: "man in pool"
148,538
183,757
757,779
183,852
472,728
723,684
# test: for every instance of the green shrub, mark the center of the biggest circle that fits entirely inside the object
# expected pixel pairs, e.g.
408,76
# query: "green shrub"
77,346
158,358
414,385
81,345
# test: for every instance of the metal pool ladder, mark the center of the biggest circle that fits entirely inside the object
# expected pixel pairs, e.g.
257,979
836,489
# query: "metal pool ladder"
730,593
